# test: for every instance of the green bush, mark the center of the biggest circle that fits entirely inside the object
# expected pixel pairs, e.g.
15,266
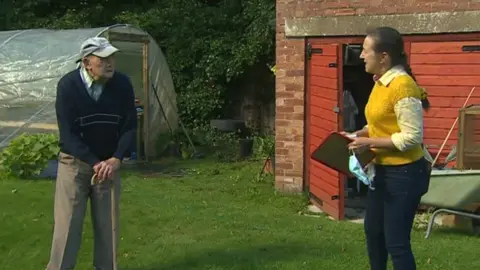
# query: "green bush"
209,47
28,154
262,146
222,146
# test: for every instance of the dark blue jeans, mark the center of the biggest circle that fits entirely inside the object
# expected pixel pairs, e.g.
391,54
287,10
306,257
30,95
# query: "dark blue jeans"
390,212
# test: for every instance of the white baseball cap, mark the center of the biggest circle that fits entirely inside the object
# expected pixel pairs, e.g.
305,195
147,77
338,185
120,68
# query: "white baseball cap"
97,46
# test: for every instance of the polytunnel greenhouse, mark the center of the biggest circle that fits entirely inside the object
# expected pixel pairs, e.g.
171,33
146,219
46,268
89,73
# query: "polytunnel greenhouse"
32,61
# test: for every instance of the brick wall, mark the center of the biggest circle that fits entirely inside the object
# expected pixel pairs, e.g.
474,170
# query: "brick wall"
290,79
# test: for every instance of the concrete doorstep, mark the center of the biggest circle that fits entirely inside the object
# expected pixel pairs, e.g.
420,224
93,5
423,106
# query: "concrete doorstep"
351,214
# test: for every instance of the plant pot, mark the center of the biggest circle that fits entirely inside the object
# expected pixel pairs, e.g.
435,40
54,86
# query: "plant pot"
173,149
227,125
246,147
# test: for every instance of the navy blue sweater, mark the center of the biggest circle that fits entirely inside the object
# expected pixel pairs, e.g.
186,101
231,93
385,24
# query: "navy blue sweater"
94,131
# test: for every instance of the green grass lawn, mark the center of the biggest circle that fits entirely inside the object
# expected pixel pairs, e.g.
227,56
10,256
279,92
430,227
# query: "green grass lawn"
215,217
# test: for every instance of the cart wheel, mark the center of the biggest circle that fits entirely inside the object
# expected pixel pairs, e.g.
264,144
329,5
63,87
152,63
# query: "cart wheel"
476,224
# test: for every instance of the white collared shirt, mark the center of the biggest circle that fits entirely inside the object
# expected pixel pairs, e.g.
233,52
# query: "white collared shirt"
93,89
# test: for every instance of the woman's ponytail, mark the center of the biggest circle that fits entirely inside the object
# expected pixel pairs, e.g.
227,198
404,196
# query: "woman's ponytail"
408,69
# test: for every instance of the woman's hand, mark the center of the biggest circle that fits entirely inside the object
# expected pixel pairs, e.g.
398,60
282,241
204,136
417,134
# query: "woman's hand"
359,133
349,135
360,145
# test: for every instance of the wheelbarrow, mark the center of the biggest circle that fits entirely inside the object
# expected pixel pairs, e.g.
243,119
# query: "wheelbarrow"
455,192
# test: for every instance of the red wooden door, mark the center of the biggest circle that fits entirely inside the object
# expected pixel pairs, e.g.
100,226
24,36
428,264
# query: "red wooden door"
323,97
448,71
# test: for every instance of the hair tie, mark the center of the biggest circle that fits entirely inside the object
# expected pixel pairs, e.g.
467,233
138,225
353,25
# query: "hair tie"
424,93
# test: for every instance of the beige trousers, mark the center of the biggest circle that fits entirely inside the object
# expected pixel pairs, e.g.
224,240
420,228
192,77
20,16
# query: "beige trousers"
72,191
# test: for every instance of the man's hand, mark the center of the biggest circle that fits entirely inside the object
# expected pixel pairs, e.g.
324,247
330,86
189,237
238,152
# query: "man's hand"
97,166
105,169
101,170
114,165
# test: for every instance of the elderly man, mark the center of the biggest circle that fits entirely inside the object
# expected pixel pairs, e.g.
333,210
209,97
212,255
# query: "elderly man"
97,121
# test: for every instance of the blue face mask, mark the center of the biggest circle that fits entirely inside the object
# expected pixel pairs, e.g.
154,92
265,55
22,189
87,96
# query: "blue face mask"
357,170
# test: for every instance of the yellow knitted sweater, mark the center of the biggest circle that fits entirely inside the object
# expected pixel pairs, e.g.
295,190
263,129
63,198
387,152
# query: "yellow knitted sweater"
382,120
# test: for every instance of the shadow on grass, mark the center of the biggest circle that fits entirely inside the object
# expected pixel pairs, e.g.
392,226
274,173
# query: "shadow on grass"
249,258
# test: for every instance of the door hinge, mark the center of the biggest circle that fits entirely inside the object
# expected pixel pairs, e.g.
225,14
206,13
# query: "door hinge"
310,51
316,199
471,48
336,109
335,197
332,65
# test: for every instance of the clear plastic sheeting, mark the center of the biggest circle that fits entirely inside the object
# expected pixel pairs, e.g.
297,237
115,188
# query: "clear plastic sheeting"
32,62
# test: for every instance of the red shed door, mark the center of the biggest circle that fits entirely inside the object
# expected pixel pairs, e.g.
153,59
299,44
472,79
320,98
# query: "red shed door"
324,81
448,71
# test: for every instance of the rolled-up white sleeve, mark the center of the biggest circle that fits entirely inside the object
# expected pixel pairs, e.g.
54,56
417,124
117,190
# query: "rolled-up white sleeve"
409,114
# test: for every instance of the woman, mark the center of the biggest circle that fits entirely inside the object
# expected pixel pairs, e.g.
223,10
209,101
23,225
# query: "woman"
394,131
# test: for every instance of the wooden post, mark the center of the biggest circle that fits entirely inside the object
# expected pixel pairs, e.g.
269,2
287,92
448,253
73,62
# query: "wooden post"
146,114
461,140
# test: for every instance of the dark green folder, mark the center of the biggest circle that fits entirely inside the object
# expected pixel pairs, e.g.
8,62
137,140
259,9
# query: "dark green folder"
333,152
